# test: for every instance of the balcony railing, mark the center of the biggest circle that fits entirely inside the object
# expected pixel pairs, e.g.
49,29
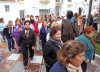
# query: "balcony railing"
21,2
45,1
8,0
69,3
59,2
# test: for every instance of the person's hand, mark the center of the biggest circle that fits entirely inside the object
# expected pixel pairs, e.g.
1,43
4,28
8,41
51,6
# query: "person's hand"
19,46
20,29
5,37
86,61
14,39
33,48
40,41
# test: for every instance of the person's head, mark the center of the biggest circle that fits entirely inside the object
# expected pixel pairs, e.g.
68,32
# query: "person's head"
49,20
23,20
89,31
27,24
55,32
96,14
18,22
72,52
31,17
10,23
45,24
58,18
69,14
36,17
62,18
75,15
40,19
91,16
2,20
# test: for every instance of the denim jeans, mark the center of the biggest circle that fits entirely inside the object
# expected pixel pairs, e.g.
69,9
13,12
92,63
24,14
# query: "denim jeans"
1,32
10,43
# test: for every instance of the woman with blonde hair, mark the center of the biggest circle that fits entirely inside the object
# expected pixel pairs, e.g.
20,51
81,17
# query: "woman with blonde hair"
80,25
37,27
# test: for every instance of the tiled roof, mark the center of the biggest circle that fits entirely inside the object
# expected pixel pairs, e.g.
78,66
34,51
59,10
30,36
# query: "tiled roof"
8,0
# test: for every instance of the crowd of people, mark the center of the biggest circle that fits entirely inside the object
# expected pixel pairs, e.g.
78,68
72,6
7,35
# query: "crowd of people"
66,43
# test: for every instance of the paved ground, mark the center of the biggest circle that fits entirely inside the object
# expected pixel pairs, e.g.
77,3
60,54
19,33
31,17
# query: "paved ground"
12,62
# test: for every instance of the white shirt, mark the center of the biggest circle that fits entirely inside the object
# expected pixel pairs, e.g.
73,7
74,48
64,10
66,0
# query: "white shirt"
39,26
48,37
31,26
26,31
60,21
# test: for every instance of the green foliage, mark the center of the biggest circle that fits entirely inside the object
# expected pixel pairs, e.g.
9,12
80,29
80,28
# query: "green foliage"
97,44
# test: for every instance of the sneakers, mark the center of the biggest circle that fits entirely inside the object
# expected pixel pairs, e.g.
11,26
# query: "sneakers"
31,58
25,67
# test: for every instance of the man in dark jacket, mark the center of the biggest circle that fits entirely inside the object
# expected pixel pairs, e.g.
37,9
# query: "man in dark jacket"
28,40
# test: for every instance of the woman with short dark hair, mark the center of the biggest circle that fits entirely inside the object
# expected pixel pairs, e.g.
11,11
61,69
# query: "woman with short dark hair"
70,57
52,46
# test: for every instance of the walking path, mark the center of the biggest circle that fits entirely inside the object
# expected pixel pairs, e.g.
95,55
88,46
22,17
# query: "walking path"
13,62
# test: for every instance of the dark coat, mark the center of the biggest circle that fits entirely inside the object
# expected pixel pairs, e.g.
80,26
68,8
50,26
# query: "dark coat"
43,34
58,68
50,52
27,42
7,33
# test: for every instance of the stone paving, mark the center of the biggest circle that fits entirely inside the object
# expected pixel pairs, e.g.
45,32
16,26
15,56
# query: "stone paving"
13,62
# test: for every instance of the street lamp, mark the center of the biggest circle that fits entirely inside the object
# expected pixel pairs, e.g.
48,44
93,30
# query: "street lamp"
89,13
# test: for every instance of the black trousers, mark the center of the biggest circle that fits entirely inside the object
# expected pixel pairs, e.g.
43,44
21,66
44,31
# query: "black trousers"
25,54
95,26
47,68
84,66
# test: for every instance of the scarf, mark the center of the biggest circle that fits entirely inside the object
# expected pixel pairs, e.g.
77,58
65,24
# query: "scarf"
58,42
72,68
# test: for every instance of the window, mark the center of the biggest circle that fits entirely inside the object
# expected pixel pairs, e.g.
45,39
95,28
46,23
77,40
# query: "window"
20,0
7,8
69,0
59,0
43,11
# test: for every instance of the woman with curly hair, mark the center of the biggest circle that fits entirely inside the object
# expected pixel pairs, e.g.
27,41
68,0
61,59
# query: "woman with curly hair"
70,57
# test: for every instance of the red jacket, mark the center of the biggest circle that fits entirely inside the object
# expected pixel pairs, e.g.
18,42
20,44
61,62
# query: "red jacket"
36,30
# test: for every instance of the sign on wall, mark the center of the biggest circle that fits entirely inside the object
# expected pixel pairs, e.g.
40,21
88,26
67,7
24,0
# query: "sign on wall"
52,10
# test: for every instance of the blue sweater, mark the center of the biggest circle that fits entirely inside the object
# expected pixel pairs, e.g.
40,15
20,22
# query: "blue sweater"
43,34
57,67
90,49
1,26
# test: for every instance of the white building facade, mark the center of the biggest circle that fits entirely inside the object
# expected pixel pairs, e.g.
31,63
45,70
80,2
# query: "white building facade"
9,10
37,7
21,8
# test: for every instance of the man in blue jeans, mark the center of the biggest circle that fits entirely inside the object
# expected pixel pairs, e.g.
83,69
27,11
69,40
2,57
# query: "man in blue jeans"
8,34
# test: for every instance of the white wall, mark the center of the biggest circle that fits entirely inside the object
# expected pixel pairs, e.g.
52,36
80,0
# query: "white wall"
29,4
12,15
